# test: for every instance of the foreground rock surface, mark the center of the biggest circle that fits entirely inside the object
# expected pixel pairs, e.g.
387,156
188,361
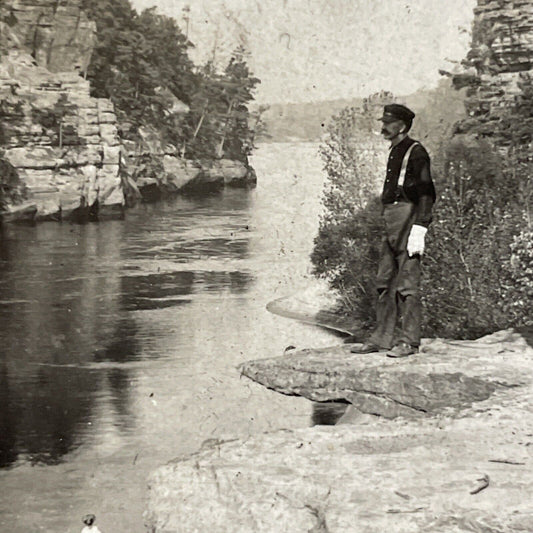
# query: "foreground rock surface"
378,476
456,455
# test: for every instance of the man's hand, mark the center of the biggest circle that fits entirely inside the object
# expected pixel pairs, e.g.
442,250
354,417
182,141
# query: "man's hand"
415,243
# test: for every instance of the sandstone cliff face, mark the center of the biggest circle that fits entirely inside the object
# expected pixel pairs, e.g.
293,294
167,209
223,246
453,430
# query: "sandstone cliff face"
57,33
63,143
500,58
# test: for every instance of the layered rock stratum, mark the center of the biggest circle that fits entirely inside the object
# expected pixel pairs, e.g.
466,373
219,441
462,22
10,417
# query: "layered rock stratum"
501,57
63,143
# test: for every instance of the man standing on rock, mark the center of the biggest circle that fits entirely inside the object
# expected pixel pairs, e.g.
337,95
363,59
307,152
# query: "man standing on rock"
408,198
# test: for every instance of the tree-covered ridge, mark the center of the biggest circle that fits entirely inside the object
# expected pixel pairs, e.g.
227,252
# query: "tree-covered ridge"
141,62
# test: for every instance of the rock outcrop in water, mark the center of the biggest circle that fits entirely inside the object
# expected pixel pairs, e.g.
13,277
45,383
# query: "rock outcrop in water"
65,146
157,169
63,143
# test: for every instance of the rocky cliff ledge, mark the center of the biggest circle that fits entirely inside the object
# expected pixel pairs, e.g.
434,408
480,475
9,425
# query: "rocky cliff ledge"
500,58
64,145
447,377
455,455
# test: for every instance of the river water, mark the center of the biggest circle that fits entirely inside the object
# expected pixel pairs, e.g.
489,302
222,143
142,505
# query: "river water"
119,341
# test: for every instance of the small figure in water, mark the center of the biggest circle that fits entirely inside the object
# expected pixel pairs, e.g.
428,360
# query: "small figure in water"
88,520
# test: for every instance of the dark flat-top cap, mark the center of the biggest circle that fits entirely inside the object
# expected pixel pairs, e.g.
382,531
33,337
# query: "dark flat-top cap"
394,112
89,519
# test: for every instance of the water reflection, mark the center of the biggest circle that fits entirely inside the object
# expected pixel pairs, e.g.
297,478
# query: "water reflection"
204,248
154,382
70,302
158,291
58,311
122,345
155,291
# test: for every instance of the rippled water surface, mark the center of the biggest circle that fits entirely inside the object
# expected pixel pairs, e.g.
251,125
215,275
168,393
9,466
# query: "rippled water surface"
119,341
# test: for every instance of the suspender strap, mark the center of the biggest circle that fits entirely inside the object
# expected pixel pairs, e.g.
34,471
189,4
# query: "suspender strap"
403,171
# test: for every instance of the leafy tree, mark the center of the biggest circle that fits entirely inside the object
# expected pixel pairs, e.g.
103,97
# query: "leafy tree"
220,118
169,53
475,220
258,125
113,18
237,138
141,62
203,120
138,62
347,245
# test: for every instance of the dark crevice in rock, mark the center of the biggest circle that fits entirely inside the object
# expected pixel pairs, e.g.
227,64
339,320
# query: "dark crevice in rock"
391,399
328,413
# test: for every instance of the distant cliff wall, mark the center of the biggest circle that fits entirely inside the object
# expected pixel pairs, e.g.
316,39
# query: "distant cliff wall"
62,142
501,58
57,33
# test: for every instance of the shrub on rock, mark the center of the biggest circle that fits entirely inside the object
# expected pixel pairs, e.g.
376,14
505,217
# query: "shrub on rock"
477,270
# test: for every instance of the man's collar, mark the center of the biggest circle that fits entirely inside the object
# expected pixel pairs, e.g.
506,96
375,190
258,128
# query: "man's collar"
403,141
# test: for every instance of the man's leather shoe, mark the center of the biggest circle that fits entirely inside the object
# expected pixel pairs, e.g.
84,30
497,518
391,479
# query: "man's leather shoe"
367,347
402,349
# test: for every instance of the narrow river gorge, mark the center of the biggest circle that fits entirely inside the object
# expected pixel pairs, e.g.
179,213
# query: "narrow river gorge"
120,341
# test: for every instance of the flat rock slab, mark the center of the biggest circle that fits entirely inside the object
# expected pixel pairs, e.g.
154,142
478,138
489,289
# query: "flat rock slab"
447,376
472,474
